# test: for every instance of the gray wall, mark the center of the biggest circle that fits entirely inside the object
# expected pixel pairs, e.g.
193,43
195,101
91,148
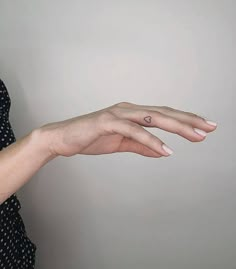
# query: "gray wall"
64,58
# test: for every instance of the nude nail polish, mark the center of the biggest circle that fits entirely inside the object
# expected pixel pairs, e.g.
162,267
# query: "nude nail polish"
167,149
200,132
211,123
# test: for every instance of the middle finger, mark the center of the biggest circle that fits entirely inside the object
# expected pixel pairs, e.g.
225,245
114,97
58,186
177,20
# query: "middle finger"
151,118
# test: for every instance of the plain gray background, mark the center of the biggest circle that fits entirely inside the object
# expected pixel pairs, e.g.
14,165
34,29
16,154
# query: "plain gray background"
64,58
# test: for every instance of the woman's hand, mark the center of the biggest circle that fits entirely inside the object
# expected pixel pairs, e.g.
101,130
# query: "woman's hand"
118,128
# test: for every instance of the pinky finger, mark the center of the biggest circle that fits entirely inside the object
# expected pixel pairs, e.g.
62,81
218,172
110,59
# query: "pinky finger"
137,133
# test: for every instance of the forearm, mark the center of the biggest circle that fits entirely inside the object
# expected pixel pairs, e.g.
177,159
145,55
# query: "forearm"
21,160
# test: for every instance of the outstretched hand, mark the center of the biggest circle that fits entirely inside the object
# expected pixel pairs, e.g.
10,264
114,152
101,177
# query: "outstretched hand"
118,128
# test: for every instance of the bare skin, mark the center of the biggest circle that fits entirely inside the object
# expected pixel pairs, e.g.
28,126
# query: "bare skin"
118,128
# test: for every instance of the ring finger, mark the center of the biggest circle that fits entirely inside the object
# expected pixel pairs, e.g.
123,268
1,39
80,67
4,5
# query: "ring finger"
151,118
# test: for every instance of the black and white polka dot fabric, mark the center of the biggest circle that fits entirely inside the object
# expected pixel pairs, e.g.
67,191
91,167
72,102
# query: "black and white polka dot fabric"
16,249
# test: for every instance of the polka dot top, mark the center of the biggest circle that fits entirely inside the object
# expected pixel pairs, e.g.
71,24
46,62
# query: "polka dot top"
16,249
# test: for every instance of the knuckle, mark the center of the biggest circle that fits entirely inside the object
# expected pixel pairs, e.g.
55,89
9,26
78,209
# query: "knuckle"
193,115
167,108
116,108
196,118
123,104
158,114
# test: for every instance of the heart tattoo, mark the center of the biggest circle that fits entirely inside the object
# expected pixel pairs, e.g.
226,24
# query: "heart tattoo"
148,119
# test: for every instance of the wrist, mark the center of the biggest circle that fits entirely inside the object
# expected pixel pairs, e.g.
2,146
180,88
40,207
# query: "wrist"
42,138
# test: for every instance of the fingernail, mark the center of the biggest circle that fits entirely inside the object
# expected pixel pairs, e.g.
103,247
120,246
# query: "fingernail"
167,149
200,132
211,122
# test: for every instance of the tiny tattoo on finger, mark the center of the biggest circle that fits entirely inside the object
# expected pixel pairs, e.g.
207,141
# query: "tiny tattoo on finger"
148,119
